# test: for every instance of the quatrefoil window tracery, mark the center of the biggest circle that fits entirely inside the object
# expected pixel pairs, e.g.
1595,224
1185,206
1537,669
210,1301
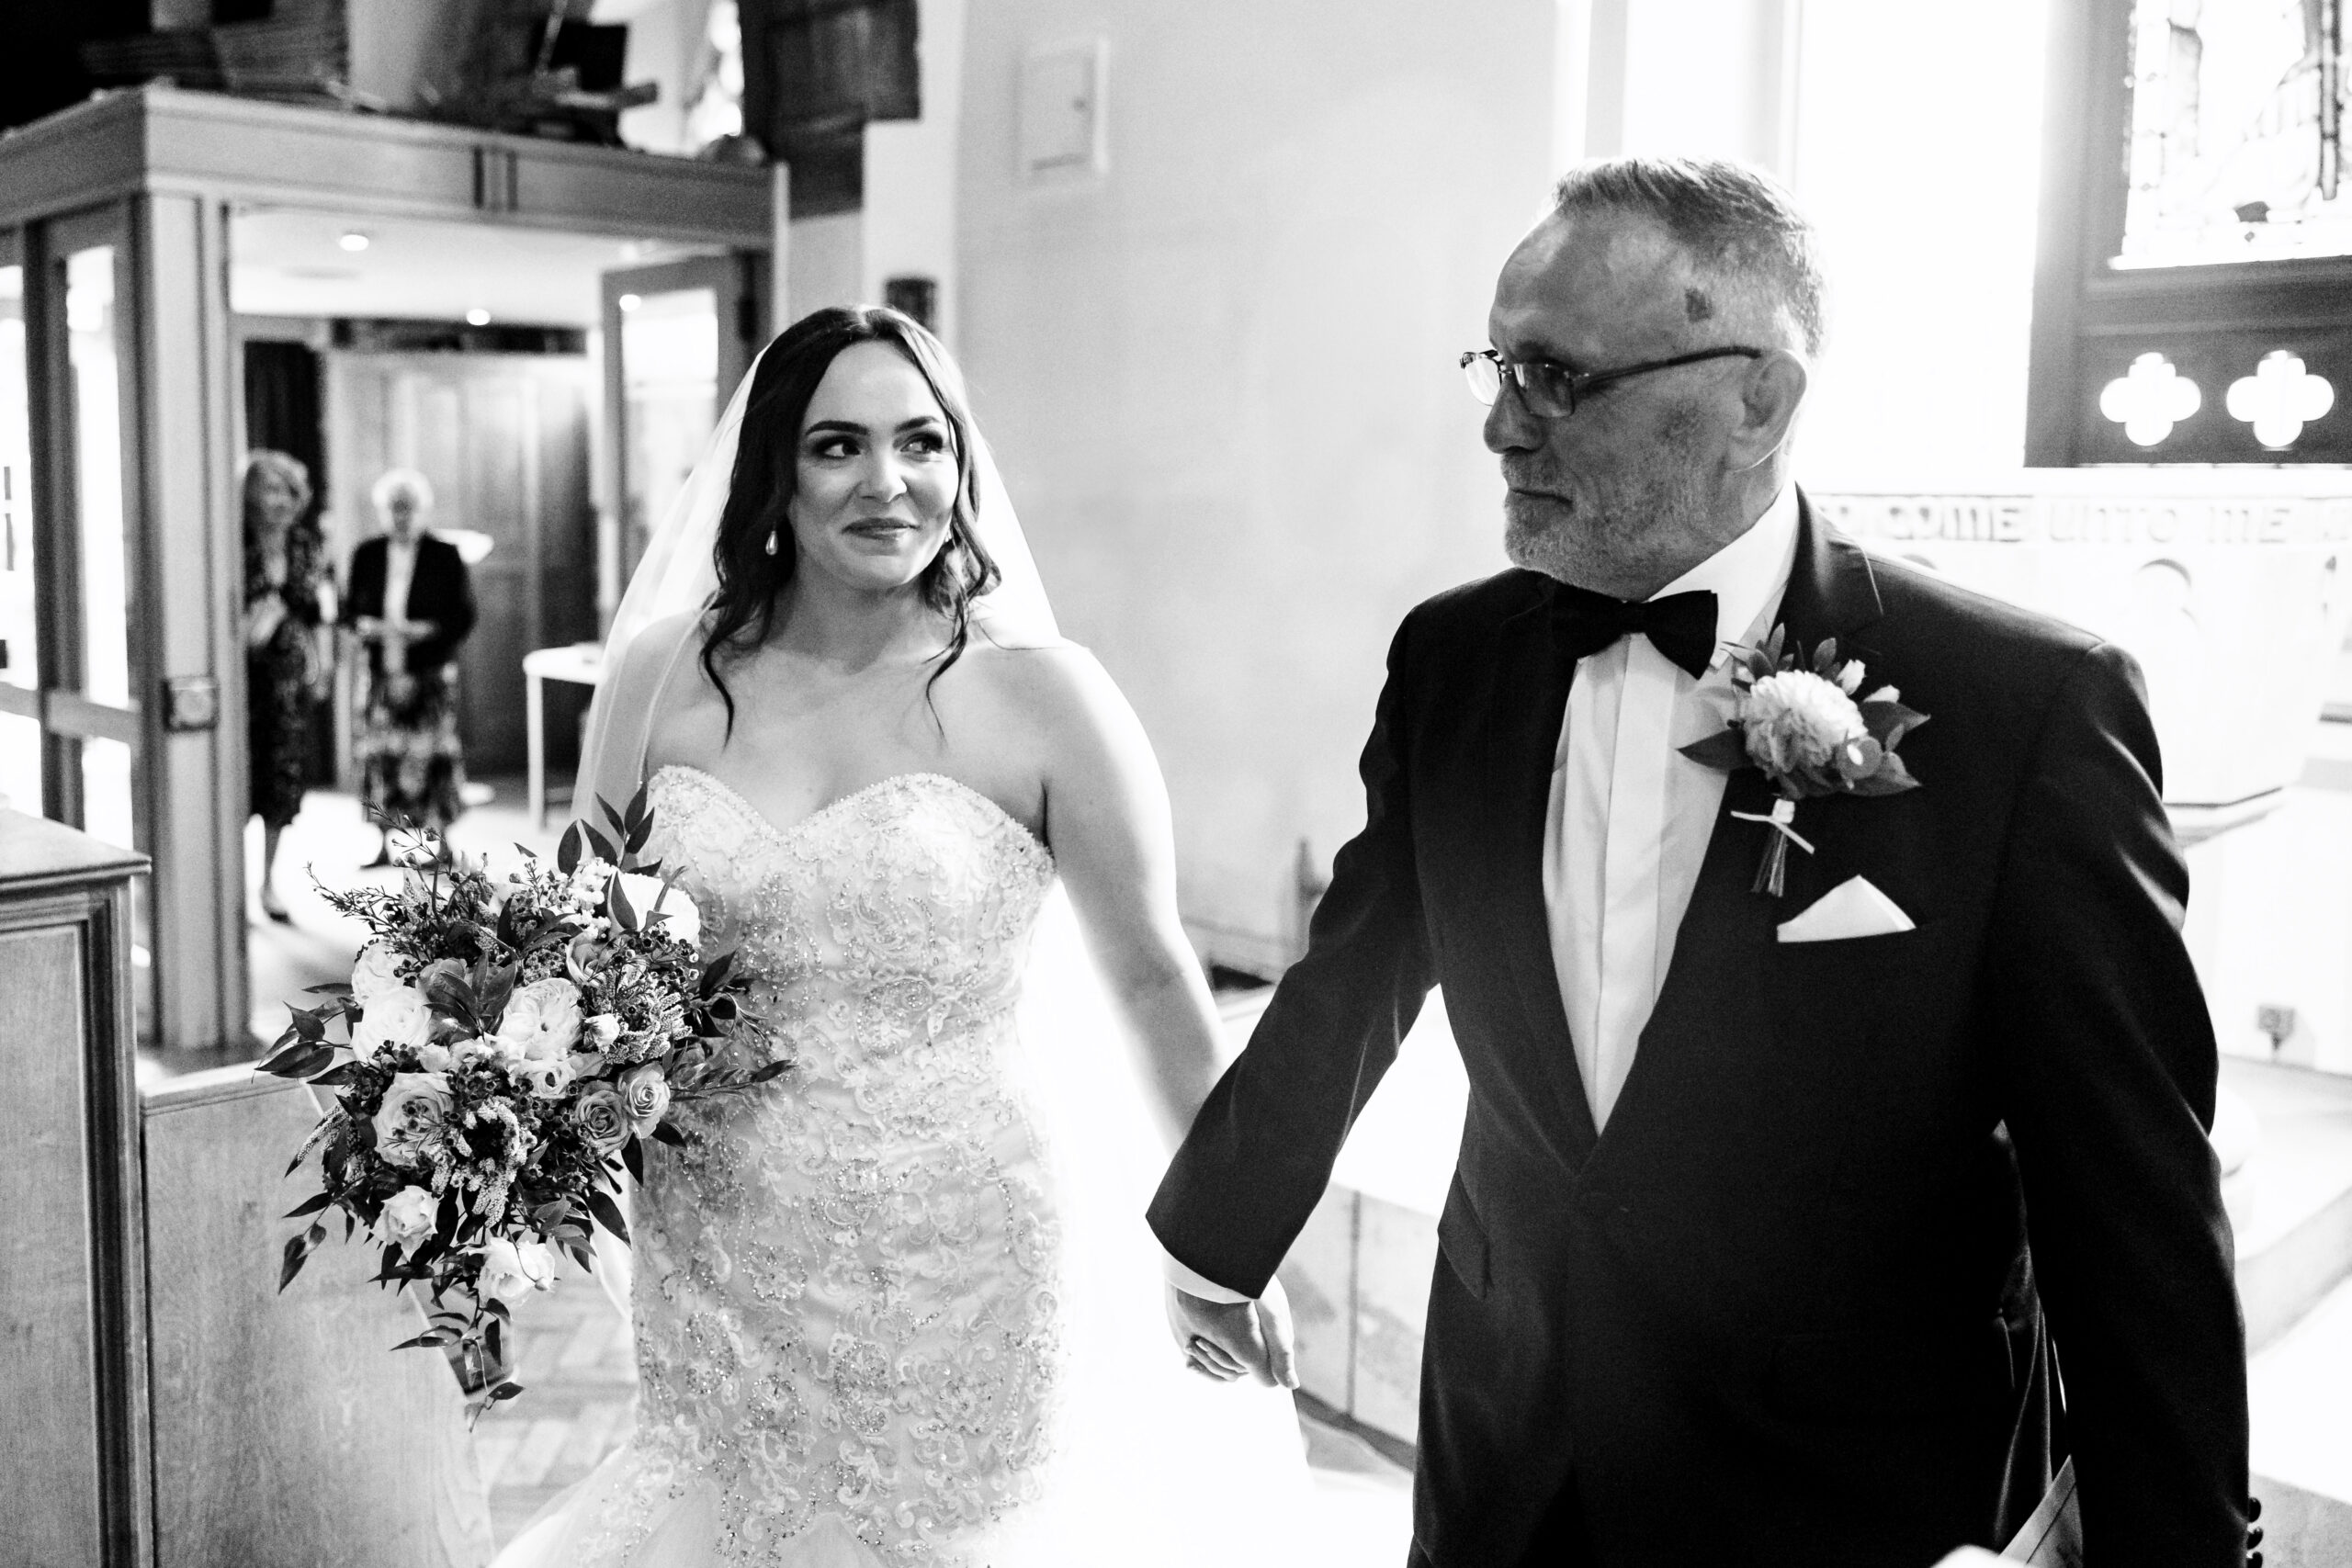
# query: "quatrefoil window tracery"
2279,398
2150,399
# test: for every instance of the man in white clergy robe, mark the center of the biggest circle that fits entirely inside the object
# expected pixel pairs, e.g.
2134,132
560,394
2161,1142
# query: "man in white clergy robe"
1777,1214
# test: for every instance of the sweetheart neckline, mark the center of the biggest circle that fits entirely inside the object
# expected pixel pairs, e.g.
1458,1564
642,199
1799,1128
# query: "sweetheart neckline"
768,826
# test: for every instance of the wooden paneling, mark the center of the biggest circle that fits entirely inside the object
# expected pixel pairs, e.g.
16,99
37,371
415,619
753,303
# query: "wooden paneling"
72,1276
288,1433
55,1518
166,140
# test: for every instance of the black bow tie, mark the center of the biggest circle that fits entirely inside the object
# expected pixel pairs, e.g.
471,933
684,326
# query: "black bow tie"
1681,625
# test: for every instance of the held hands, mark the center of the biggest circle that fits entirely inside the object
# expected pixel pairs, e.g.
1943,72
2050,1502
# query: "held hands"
1222,1340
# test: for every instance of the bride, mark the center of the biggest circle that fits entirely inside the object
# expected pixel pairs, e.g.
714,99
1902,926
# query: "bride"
894,1309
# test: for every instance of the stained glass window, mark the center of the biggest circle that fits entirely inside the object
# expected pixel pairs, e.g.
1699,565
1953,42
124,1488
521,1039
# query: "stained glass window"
2236,120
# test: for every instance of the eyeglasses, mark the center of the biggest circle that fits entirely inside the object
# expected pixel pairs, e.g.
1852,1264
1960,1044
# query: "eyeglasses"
1553,392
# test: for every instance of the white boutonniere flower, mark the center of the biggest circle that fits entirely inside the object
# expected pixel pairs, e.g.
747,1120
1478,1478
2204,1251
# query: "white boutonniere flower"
1800,723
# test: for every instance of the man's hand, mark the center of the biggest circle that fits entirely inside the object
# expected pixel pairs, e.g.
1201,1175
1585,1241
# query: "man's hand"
1222,1340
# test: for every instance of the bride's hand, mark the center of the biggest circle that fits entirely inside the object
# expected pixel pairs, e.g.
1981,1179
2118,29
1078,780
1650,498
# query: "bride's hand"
1224,1340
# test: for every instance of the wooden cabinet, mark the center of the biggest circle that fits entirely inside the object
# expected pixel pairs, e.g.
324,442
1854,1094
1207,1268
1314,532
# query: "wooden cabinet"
165,1405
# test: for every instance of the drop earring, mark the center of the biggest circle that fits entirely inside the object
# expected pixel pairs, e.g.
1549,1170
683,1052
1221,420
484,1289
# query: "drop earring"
769,548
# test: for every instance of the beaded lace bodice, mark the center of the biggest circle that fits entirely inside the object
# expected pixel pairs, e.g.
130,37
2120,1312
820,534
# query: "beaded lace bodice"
846,1294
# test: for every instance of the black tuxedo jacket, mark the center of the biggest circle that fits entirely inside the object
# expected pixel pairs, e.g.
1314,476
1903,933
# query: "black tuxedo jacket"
440,590
1796,1304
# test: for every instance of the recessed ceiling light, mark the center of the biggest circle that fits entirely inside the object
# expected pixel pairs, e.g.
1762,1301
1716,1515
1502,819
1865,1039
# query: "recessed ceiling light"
629,301
352,240
476,317
631,250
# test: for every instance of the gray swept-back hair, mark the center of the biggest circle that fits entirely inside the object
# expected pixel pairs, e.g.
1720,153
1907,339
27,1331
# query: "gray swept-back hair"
1747,243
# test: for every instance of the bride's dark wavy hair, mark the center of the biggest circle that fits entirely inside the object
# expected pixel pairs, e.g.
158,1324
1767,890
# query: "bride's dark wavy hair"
760,491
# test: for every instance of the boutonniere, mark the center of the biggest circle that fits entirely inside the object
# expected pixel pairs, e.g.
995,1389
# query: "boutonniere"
1805,729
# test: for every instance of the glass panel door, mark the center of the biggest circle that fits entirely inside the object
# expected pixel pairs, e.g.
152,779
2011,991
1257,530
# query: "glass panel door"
677,338
19,634
83,365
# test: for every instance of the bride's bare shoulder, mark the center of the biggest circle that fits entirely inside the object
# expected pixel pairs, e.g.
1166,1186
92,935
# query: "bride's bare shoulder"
1058,694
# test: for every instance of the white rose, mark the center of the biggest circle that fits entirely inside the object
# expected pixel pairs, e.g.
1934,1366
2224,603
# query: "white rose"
645,1095
542,1021
599,1033
546,1080
408,1216
377,971
394,1017
413,1119
433,1058
509,1269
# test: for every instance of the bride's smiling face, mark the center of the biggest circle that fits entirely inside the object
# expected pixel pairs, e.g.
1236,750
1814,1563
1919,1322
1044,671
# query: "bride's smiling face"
874,472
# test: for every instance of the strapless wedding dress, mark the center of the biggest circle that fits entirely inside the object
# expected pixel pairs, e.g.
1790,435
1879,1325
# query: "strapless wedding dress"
898,1309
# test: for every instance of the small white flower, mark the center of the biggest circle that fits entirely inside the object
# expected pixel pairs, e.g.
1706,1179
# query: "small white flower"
599,1033
1885,694
1849,679
408,1216
509,1268
377,970
392,1018
435,1058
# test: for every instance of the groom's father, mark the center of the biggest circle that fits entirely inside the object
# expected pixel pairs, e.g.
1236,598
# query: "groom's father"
1777,1220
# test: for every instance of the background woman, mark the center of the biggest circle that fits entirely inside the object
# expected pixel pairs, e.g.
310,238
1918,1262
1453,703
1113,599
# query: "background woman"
413,605
290,651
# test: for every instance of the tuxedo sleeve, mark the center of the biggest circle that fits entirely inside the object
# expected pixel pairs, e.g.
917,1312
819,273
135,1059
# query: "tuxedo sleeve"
2108,1066
1261,1151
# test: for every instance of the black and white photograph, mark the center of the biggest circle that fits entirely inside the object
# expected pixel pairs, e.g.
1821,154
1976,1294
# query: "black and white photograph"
1108,784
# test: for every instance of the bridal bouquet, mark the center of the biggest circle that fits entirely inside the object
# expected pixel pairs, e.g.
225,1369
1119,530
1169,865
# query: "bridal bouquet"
510,1044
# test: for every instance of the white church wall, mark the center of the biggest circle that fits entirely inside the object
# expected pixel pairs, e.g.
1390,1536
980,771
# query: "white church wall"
1219,375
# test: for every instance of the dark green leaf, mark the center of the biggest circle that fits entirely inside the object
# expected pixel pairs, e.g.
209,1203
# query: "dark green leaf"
715,972
612,815
308,1025
772,1070
299,1060
310,1205
296,1251
1724,749
505,1391
666,1134
616,904
601,845
608,1212
567,850
341,1075
331,988
633,1156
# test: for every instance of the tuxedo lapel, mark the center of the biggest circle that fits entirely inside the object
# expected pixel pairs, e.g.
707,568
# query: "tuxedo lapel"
1527,705
1707,985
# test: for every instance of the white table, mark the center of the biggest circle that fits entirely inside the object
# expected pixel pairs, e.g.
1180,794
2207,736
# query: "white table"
583,663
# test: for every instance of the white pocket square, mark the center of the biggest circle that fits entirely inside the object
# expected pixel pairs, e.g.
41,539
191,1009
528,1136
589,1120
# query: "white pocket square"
1853,907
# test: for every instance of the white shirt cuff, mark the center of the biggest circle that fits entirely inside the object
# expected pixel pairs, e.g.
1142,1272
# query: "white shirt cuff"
1196,1284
